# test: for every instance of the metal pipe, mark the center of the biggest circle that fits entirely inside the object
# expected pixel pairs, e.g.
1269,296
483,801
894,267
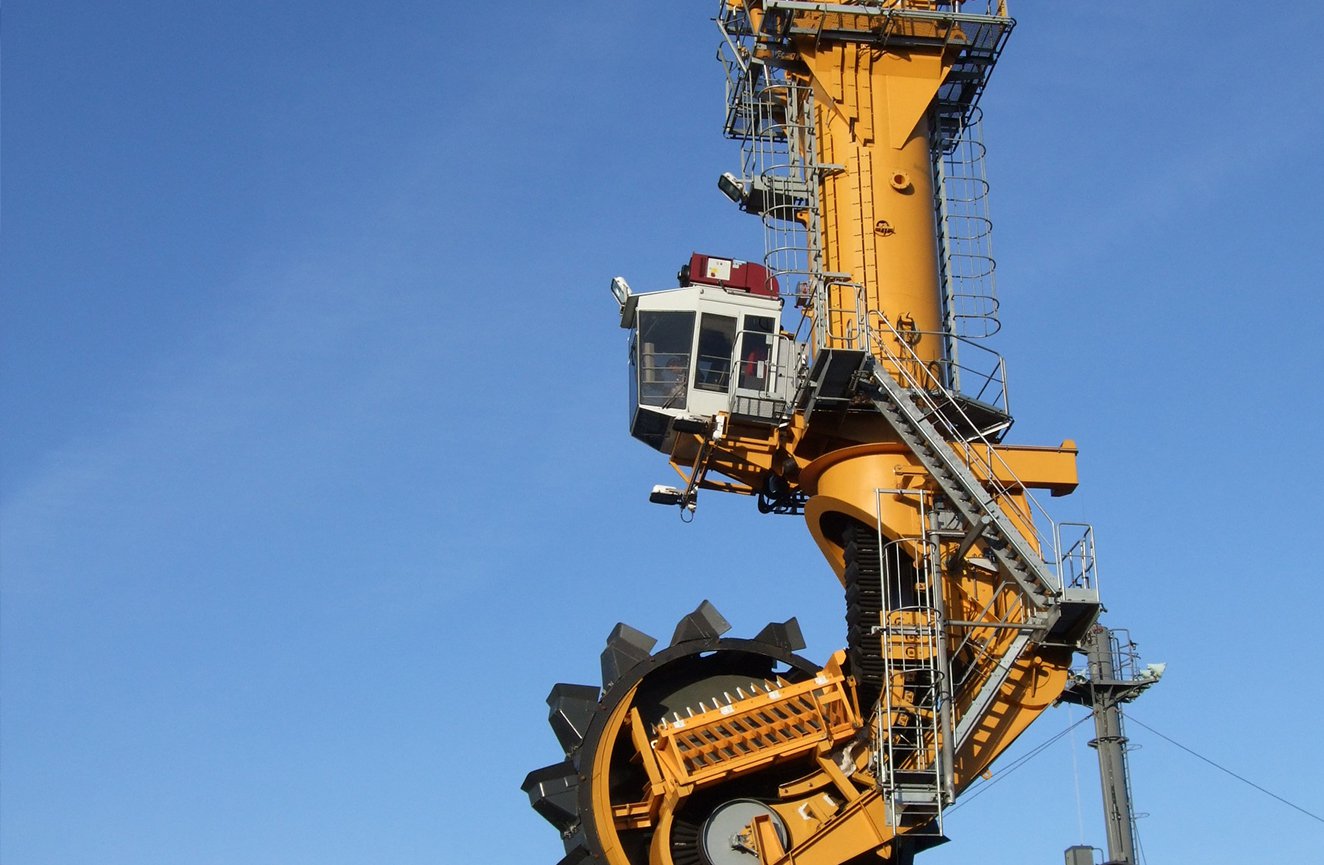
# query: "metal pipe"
947,730
1008,625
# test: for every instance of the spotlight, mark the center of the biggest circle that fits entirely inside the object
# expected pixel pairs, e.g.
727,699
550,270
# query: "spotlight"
731,187
1154,671
664,495
620,289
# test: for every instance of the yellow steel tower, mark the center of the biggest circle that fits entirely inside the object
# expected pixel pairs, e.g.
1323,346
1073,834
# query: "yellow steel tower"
843,379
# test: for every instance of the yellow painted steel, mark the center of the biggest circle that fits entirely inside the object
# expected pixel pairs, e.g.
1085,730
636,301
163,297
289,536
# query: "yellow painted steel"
871,109
878,225
878,230
599,776
845,484
751,733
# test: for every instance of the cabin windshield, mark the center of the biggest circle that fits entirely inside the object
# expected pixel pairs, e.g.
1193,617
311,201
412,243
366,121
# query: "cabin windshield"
664,343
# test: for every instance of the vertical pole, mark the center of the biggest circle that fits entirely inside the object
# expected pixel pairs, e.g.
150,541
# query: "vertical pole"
1110,742
946,728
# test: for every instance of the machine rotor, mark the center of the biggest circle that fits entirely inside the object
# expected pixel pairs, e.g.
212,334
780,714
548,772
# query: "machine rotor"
613,796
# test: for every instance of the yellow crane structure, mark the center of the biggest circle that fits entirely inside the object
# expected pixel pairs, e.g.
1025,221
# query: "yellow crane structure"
842,378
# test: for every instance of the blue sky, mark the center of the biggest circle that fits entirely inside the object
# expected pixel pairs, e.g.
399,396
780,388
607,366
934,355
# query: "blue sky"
315,475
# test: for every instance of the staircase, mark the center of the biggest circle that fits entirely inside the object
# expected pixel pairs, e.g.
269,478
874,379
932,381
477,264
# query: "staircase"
910,413
965,474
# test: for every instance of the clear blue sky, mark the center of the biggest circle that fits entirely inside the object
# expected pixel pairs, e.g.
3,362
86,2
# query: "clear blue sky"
315,472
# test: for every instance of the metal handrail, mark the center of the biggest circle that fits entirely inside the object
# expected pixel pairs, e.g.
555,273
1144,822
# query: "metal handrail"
1080,556
989,463
994,377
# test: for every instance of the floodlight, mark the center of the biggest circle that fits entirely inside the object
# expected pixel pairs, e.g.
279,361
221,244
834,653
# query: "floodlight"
731,187
664,495
620,289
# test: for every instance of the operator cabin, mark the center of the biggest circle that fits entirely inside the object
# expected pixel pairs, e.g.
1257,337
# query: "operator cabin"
713,345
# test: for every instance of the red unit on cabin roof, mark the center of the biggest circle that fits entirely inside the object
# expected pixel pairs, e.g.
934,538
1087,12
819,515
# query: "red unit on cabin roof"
731,273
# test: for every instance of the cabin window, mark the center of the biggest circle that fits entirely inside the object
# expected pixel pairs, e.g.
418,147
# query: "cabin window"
664,343
755,346
717,336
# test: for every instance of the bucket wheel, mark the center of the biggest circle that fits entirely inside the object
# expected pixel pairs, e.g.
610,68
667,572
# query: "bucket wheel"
608,798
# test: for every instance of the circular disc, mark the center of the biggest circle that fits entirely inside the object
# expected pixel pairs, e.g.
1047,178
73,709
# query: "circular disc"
724,838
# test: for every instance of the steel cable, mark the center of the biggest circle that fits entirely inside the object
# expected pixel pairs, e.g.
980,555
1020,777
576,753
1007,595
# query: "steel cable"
1170,740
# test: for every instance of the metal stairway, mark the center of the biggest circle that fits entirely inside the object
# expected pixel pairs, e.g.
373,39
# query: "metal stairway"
965,492
910,413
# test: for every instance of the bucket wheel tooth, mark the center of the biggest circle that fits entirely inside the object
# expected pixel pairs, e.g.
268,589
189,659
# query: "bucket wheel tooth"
554,793
784,635
626,648
705,623
578,855
571,709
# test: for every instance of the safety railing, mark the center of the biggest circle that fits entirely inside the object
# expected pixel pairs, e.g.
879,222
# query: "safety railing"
765,372
1079,567
771,114
983,637
912,713
977,451
663,378
977,372
912,723
960,192
1126,655
745,731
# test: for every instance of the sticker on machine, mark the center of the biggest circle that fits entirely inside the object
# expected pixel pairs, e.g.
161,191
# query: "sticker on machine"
719,269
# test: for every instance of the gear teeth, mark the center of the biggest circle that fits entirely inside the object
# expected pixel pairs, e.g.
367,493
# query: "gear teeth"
785,635
572,707
626,646
554,793
578,854
705,623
